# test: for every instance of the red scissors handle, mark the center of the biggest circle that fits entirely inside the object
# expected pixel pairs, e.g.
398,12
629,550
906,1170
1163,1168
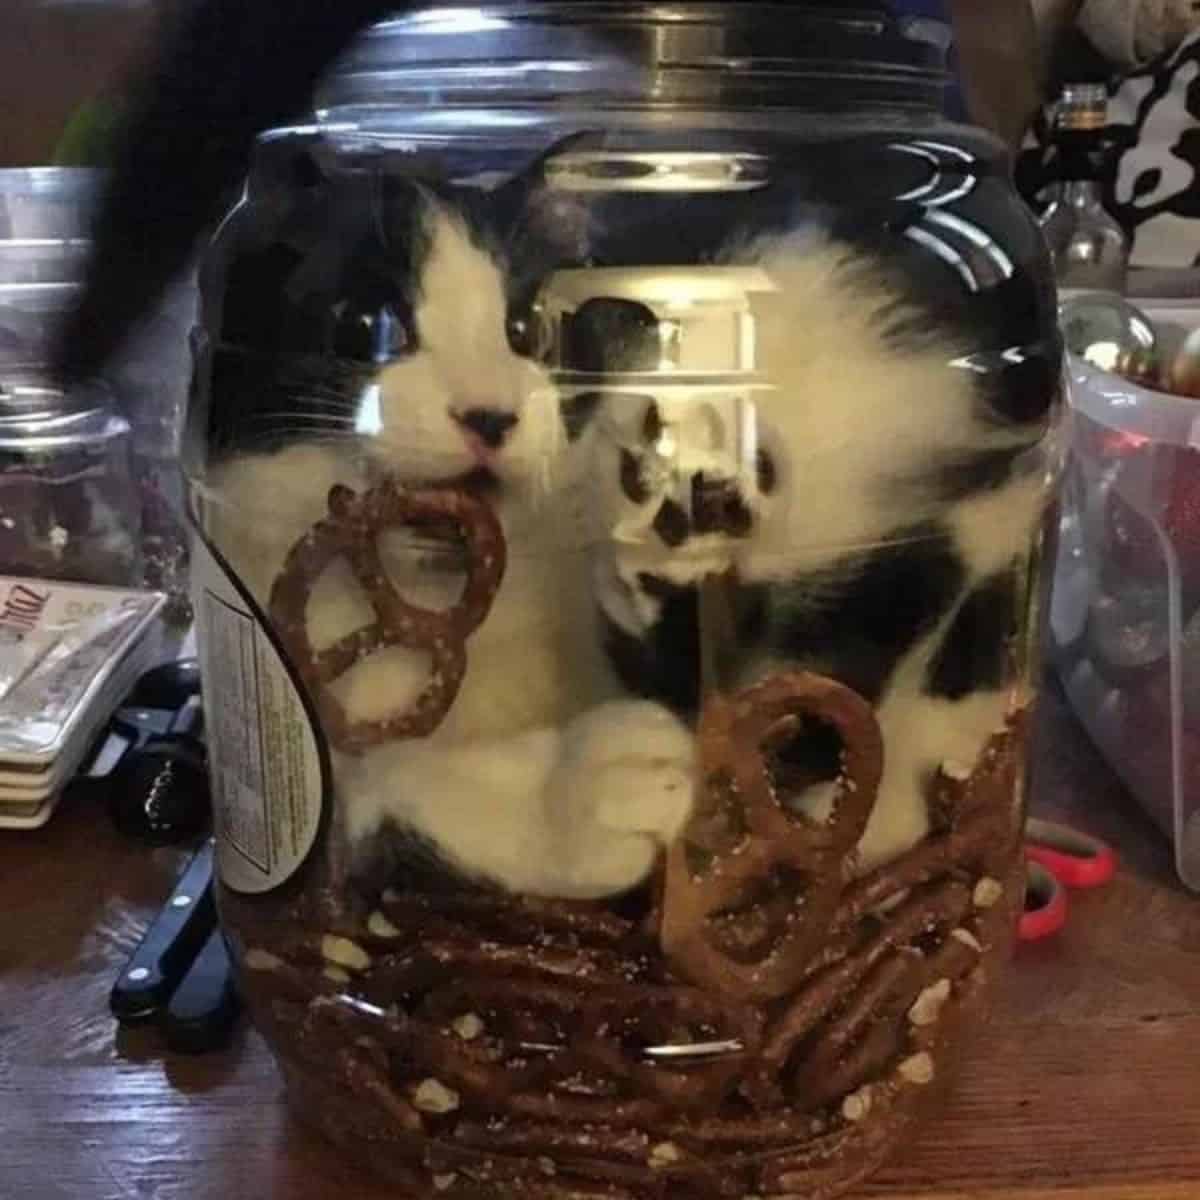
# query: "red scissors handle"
1045,905
1073,858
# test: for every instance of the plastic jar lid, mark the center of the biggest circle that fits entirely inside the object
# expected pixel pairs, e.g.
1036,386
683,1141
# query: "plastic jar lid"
687,53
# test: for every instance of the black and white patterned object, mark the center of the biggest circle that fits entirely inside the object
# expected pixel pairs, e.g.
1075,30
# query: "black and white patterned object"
1151,178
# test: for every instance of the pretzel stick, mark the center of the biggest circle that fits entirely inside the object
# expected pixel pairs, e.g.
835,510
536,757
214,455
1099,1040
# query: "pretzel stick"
521,917
939,906
870,1004
830,1080
555,1094
361,1075
932,858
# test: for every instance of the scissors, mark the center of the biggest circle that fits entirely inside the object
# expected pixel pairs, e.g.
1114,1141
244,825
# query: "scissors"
1057,858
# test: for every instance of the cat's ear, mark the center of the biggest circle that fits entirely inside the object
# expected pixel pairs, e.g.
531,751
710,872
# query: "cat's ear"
544,226
515,194
401,209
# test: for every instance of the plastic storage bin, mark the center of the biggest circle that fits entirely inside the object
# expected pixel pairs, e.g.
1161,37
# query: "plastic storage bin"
1124,625
617,441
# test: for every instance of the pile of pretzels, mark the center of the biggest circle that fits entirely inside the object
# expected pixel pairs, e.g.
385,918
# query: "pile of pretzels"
759,1019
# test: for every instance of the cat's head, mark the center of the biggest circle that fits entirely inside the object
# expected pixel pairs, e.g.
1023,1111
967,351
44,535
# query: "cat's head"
464,395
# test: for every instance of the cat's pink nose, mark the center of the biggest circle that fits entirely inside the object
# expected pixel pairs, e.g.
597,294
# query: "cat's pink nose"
490,425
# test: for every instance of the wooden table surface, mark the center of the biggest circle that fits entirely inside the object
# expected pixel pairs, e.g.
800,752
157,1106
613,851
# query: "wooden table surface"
1085,1084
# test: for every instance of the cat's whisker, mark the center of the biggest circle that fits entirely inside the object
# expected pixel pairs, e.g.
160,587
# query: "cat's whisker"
299,412
267,443
343,412
297,421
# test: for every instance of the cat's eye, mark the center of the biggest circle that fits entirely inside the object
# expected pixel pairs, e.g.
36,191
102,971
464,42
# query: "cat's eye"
529,333
374,335
392,338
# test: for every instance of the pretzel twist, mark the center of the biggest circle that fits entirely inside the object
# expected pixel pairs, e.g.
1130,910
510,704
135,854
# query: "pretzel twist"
734,917
351,532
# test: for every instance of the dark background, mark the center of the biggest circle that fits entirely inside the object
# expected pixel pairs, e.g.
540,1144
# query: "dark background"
56,54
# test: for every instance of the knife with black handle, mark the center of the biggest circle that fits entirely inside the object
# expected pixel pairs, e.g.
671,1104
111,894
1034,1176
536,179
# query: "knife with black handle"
172,943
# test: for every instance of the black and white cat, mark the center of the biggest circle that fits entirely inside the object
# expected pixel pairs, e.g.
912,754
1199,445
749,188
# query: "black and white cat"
883,542
545,776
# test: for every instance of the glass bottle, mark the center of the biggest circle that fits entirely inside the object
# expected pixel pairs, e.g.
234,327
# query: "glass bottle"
1089,248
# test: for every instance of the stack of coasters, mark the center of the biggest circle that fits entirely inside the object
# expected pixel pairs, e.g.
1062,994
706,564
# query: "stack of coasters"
69,653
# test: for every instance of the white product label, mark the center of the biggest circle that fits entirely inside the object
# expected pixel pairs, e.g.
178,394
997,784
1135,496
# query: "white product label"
264,764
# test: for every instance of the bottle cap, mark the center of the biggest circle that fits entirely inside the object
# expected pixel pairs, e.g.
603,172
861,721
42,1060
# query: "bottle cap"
1082,106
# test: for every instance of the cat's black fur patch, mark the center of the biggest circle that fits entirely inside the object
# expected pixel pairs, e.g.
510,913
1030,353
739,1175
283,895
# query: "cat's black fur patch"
956,478
953,477
859,617
973,655
854,620
249,316
403,858
632,483
664,664
672,524
812,755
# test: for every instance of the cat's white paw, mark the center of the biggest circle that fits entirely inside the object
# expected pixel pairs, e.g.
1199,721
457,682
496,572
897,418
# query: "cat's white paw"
623,791
653,797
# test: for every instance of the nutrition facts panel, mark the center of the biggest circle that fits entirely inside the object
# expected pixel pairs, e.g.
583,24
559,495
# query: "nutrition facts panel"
264,764
239,791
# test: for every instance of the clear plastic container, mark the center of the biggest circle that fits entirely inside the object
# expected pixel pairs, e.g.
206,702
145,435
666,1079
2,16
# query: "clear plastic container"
1124,629
617,444
68,505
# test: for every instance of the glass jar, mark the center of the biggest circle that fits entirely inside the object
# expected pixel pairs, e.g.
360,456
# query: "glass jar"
68,504
617,444
45,225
